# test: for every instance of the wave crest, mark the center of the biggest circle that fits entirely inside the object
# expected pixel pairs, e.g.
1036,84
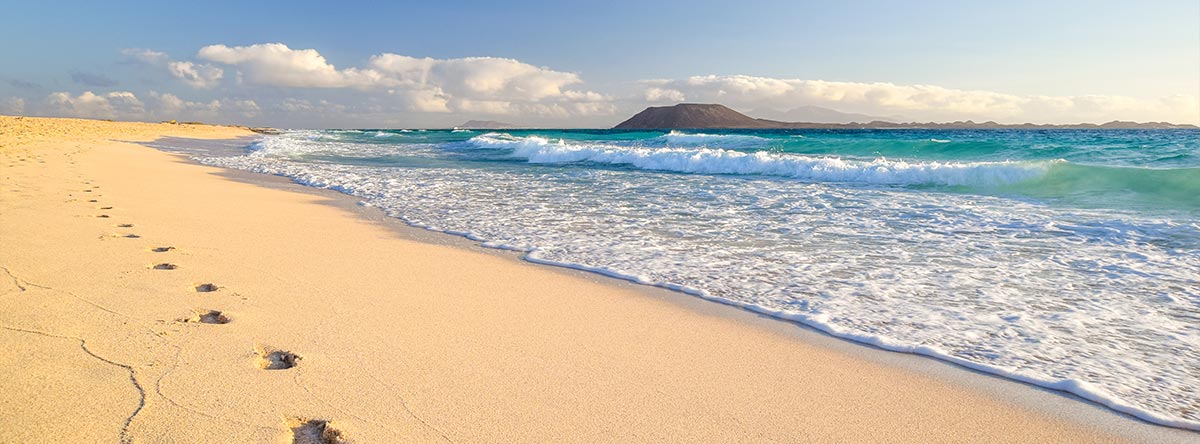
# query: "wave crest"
537,149
677,138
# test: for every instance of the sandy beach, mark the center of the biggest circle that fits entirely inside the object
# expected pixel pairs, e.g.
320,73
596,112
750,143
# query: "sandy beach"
146,298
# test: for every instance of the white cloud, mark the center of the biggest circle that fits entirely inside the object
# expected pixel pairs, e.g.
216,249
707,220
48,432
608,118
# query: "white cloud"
293,105
196,75
920,102
158,106
125,102
171,106
297,105
476,77
275,64
193,74
245,107
90,105
426,100
393,86
485,85
654,95
141,55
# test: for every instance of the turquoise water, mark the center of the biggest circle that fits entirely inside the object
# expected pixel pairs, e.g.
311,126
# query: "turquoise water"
1134,169
1064,258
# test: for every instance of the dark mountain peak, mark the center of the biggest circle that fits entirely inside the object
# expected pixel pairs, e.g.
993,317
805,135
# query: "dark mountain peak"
691,116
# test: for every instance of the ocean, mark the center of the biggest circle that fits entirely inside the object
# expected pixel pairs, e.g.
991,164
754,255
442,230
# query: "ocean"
1068,259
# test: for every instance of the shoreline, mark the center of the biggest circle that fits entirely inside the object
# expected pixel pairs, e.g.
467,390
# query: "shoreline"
696,311
1058,403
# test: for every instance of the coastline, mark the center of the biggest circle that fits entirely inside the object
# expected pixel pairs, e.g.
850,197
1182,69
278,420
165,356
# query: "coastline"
587,357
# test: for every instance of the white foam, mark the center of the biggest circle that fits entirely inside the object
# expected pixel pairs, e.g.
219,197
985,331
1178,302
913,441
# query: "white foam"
1091,303
678,138
538,149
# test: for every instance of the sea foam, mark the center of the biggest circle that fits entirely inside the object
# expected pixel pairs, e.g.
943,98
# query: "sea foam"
1099,303
537,149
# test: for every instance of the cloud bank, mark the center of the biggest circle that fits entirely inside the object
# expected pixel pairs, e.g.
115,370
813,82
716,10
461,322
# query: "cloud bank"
485,85
274,84
126,105
111,105
917,102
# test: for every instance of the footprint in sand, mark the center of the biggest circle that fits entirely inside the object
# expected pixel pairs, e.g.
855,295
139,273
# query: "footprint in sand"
125,226
314,431
165,266
131,236
92,200
162,249
104,216
276,359
102,208
206,288
207,317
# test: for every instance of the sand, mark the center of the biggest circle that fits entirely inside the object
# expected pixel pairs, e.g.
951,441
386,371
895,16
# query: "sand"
145,298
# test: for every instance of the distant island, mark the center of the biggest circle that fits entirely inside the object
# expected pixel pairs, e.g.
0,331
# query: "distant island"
487,124
712,116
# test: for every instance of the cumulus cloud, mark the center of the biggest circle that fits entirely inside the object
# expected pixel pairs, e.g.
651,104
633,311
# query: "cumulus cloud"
476,77
276,84
157,106
87,104
275,64
485,85
170,105
196,75
193,74
425,100
921,102
654,95
245,107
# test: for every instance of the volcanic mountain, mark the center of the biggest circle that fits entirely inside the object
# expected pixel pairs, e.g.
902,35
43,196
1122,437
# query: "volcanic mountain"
693,115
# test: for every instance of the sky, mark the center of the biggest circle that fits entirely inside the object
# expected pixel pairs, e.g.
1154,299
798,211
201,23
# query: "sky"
302,64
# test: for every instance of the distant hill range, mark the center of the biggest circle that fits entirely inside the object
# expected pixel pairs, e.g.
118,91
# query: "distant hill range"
701,116
486,124
817,114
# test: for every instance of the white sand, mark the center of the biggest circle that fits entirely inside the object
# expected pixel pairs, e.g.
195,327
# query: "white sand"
398,340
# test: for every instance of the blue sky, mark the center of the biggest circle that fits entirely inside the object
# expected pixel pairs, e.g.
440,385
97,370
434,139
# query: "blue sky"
593,63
